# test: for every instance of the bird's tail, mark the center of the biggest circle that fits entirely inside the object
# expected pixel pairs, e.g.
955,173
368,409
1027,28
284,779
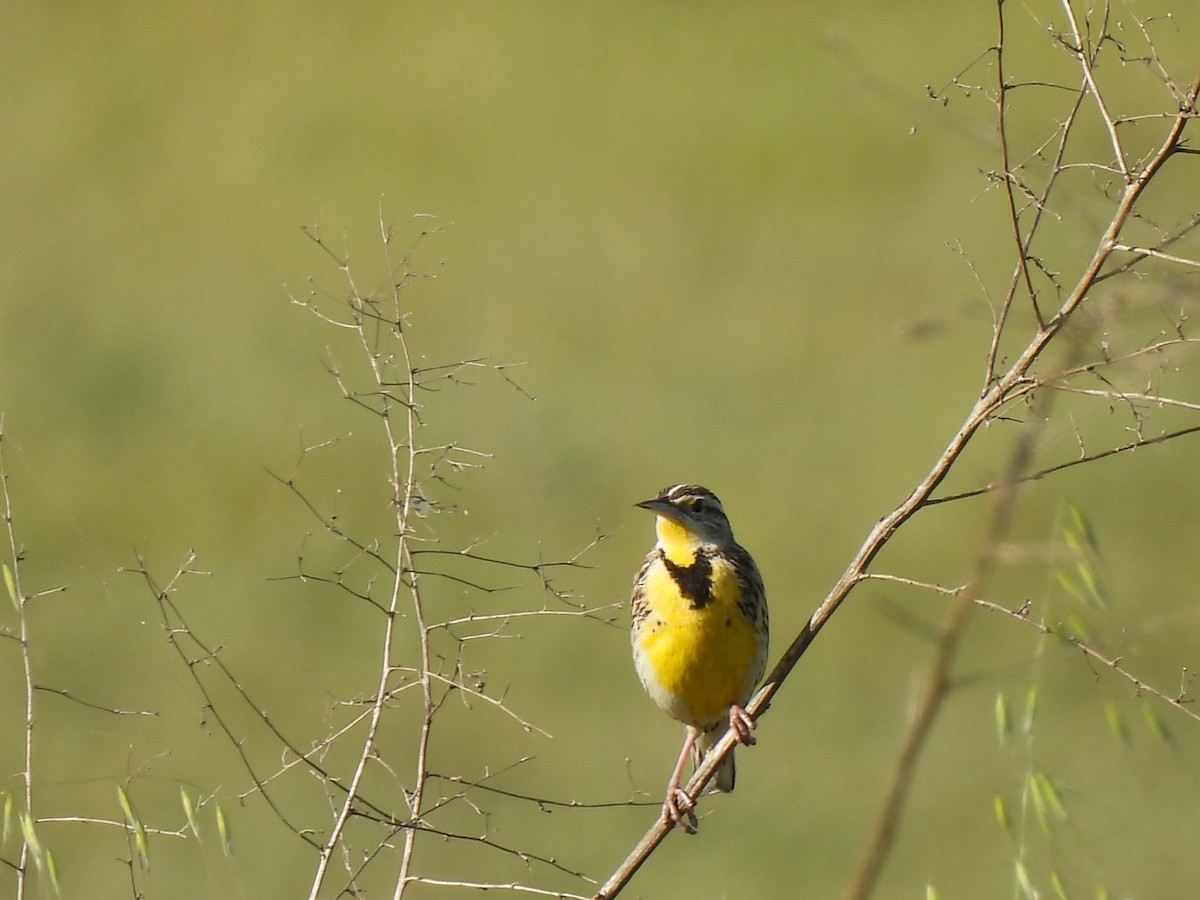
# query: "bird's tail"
726,771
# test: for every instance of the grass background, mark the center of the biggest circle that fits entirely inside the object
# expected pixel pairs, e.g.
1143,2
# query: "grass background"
721,238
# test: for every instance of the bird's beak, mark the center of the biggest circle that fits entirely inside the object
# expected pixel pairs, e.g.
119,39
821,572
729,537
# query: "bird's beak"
659,507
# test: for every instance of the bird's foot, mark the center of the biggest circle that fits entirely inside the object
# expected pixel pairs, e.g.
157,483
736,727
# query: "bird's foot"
742,724
678,809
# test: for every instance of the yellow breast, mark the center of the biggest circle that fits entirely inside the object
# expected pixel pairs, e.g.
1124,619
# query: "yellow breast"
695,660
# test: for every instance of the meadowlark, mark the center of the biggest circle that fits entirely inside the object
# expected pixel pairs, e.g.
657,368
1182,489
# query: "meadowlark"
699,631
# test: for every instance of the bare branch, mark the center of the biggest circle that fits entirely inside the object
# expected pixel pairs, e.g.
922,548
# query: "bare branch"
1179,701
1000,389
1086,55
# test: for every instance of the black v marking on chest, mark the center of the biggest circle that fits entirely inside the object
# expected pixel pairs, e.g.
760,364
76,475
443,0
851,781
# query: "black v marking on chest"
693,580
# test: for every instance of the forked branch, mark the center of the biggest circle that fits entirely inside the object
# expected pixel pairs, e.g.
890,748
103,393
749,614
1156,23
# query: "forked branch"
999,392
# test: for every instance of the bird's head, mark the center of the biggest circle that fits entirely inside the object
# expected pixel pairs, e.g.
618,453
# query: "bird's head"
688,517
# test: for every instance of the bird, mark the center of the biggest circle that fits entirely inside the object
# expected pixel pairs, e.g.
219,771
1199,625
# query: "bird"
699,632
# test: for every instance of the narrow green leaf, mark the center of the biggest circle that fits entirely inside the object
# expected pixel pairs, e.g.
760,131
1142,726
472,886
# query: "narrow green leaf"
1072,541
1003,719
1093,595
189,810
10,583
1023,881
1051,794
1083,526
1156,725
930,892
1001,810
1060,890
142,843
223,831
1031,698
1078,628
1068,584
29,833
126,806
1116,722
1080,539
1033,789
8,808
52,872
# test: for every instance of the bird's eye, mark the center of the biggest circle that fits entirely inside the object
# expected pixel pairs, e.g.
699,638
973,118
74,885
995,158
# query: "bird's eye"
699,506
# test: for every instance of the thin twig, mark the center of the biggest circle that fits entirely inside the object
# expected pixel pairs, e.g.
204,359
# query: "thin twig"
938,681
1179,701
514,886
994,397
1086,57
13,585
1083,458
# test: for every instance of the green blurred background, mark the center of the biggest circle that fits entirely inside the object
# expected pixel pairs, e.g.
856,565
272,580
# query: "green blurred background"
721,237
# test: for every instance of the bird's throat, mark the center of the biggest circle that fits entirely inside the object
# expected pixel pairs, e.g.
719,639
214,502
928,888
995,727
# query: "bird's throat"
678,544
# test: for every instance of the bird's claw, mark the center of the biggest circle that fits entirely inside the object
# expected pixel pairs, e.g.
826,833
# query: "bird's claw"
742,724
679,808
